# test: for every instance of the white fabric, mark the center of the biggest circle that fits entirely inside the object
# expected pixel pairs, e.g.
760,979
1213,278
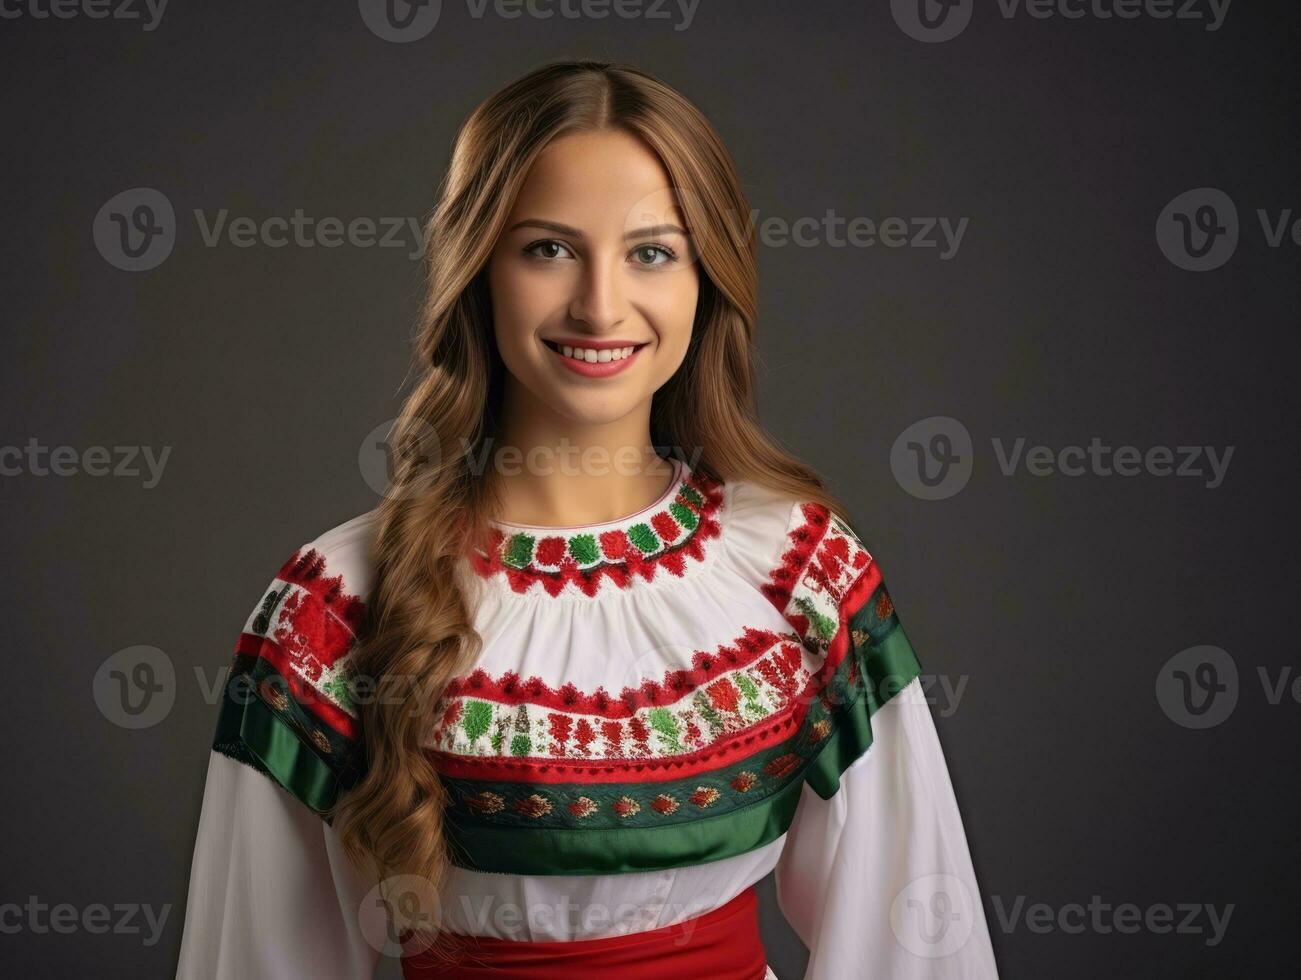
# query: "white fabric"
894,821
568,907
272,895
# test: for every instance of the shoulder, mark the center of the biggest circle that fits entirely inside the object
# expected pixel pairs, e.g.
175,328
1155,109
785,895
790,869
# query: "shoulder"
288,710
316,600
774,533
805,557
339,561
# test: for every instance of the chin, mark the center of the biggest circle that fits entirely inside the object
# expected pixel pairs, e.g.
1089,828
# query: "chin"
597,411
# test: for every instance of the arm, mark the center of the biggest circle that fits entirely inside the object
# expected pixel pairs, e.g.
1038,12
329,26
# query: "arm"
875,876
272,894
878,879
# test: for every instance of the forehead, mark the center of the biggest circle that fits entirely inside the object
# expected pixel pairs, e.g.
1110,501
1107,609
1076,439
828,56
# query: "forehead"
607,178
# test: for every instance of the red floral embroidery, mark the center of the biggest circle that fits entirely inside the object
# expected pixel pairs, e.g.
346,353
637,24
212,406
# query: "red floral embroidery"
613,732
782,764
317,623
666,527
675,684
583,807
533,806
584,736
623,561
803,540
453,714
640,734
307,569
560,726
615,544
704,796
724,694
551,550
664,804
744,781
884,606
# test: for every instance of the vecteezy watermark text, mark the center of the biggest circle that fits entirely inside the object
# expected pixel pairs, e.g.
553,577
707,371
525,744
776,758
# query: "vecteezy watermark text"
36,459
933,459
137,229
275,231
833,230
89,9
404,21
120,919
1099,917
936,21
1100,459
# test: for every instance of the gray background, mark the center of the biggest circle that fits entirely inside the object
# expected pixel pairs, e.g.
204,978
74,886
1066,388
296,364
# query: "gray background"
1058,598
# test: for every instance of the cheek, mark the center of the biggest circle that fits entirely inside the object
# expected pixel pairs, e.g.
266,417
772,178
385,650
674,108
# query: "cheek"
511,301
672,306
523,300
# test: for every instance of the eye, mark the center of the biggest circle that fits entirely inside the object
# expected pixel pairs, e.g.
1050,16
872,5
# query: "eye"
651,255
547,249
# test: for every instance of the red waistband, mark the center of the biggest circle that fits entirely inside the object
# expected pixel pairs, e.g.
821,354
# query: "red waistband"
723,944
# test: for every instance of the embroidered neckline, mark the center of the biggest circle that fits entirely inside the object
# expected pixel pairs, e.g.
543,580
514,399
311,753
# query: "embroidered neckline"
660,536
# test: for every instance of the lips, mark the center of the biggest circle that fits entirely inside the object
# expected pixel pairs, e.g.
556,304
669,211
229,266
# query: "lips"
598,368
596,345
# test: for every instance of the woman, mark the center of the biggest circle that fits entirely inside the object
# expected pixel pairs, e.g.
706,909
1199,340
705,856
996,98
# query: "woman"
554,706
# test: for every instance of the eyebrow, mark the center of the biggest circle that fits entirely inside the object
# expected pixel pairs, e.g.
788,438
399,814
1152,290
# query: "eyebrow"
556,226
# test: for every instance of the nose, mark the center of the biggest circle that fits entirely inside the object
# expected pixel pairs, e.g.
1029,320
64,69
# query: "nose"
599,299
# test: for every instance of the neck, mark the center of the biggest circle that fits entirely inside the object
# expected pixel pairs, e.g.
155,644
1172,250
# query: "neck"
554,472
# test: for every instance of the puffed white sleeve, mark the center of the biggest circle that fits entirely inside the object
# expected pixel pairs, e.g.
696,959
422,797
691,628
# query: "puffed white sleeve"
876,876
272,894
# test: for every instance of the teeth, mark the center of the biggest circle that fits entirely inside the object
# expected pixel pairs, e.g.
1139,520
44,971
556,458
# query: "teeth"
593,356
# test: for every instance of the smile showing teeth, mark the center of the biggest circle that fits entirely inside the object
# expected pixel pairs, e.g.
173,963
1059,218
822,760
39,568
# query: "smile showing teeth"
594,356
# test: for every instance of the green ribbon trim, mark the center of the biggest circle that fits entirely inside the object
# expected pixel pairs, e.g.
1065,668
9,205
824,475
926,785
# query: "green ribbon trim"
250,731
885,668
886,663
615,850
296,767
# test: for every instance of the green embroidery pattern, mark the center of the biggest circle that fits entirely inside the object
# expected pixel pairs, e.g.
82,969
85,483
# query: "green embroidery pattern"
719,707
524,549
631,803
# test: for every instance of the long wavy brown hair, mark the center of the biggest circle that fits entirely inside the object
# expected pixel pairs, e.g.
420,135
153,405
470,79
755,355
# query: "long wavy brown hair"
420,631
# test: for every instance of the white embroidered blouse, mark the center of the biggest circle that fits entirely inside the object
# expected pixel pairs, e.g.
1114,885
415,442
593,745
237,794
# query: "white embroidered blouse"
667,707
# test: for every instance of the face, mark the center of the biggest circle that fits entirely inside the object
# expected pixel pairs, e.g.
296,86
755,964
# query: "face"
594,257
